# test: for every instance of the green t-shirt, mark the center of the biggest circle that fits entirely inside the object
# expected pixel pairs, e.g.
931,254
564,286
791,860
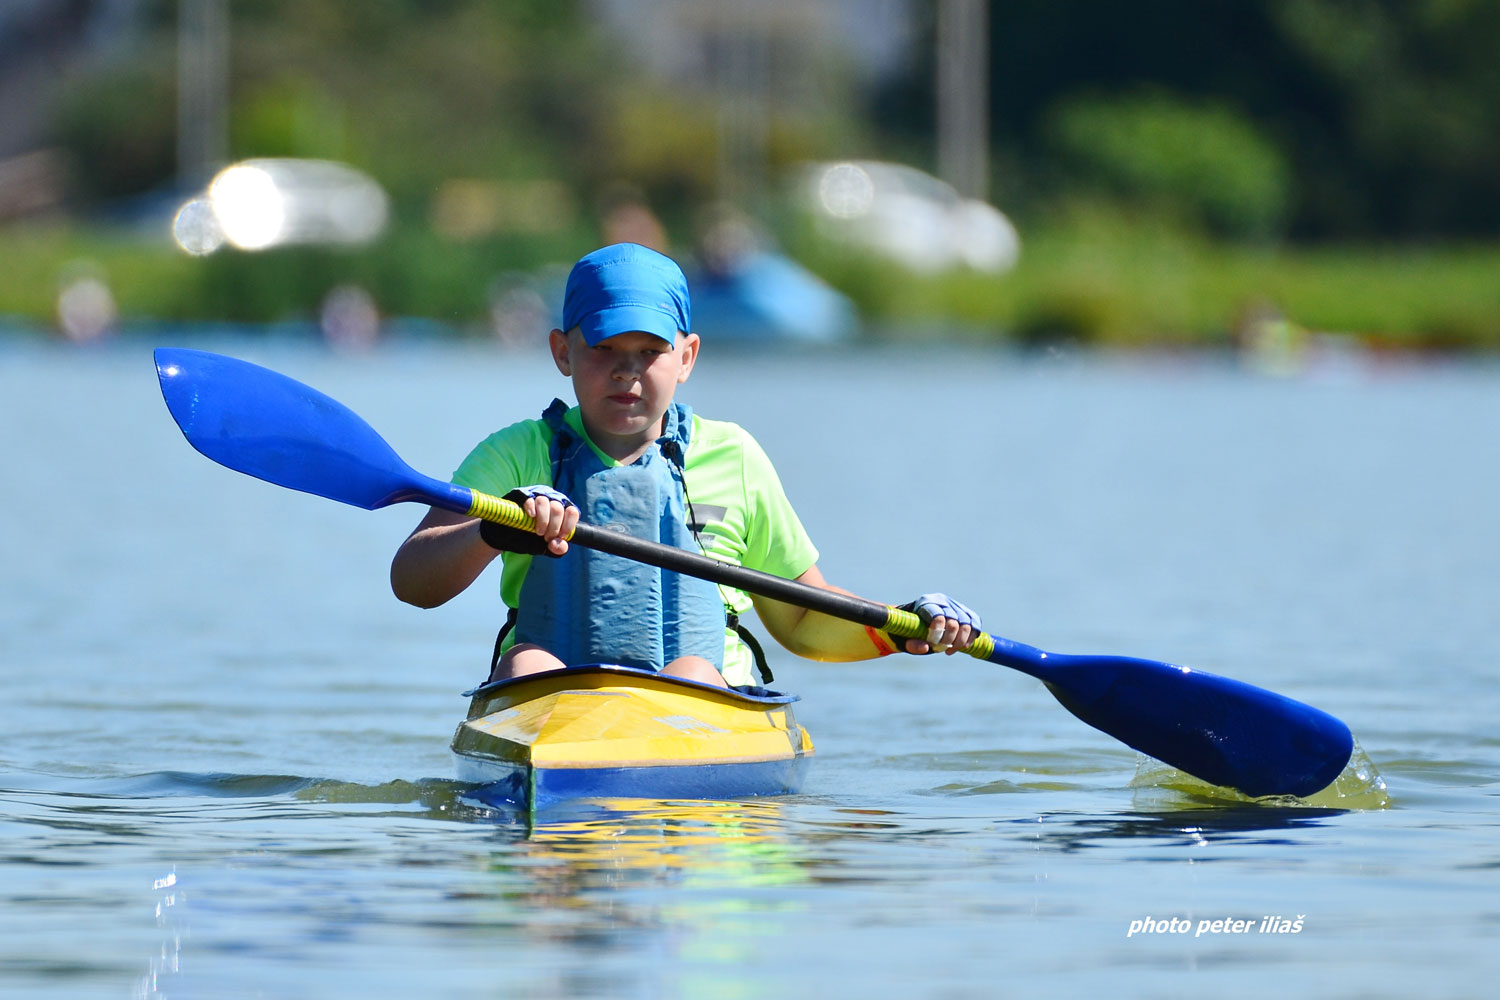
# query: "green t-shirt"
734,490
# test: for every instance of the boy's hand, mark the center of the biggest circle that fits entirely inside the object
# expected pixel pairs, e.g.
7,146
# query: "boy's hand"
556,516
951,625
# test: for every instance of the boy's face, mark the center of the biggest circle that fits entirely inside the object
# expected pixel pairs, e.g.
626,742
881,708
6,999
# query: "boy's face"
624,383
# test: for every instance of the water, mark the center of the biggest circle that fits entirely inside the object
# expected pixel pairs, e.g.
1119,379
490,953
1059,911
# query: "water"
224,767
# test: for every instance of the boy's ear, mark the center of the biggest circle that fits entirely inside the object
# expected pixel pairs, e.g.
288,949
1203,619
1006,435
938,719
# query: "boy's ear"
689,349
558,342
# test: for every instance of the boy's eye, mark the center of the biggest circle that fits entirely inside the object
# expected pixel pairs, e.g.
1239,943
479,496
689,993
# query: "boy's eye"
648,353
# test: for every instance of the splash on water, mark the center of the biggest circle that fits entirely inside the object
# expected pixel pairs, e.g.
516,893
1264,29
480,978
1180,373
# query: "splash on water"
1358,786
165,967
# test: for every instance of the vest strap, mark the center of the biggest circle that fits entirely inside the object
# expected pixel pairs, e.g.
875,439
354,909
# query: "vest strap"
510,623
762,667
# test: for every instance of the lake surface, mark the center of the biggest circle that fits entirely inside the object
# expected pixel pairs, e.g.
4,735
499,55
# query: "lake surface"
223,747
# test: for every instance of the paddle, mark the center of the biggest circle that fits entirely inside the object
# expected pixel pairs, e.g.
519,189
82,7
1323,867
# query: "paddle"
1226,732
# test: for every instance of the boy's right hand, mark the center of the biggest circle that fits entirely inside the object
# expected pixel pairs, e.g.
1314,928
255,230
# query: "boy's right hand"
556,516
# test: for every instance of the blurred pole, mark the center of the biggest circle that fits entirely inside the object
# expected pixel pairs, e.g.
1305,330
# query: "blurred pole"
744,126
963,92
202,89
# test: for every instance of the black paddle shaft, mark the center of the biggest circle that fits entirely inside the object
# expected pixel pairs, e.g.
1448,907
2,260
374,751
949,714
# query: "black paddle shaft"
836,605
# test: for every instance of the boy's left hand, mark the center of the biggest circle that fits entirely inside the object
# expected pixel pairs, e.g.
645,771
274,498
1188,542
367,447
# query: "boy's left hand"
951,625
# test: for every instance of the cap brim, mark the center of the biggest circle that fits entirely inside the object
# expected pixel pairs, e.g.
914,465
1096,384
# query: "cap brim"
615,320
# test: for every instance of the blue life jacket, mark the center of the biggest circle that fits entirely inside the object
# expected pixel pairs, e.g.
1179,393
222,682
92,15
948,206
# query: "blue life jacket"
592,607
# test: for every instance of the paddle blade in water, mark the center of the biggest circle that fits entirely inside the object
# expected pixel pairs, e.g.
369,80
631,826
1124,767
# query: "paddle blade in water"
261,423
1220,730
1223,731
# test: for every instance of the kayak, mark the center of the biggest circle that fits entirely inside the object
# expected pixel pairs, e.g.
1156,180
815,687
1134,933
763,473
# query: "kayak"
607,731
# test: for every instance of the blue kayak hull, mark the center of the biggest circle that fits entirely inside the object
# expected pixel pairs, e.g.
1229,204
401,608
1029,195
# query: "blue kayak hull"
544,787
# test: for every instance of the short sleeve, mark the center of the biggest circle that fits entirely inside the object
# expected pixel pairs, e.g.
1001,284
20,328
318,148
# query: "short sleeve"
513,456
775,540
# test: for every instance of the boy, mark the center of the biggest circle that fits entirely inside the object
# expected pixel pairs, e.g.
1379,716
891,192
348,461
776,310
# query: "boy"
629,457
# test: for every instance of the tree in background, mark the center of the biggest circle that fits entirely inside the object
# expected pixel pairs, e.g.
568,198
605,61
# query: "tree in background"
1375,117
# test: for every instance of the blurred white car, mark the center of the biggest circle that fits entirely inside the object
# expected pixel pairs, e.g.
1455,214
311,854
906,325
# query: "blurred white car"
264,203
908,215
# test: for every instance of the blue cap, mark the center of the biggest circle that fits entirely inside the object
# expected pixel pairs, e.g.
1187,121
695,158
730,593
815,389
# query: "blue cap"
625,287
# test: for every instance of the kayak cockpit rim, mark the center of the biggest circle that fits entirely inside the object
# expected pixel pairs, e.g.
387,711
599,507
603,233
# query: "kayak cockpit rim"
610,671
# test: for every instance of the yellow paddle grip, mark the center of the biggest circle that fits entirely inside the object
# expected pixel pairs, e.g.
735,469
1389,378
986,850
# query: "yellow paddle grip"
904,623
907,624
500,511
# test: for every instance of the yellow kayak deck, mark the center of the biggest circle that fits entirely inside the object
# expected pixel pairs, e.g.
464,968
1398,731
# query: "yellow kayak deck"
611,731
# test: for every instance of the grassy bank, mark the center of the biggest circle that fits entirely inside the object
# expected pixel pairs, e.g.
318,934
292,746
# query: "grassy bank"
410,273
1152,287
1104,284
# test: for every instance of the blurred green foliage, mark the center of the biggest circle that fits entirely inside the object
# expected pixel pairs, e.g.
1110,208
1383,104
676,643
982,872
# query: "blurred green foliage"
1203,165
1172,165
1307,118
416,93
114,149
1383,112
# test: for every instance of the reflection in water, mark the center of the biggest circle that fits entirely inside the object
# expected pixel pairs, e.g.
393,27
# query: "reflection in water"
587,877
615,841
1176,828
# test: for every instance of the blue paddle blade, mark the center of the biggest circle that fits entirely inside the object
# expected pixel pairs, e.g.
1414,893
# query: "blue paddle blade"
261,423
1223,731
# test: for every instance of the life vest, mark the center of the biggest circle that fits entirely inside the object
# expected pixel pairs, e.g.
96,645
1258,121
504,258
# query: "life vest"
592,607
